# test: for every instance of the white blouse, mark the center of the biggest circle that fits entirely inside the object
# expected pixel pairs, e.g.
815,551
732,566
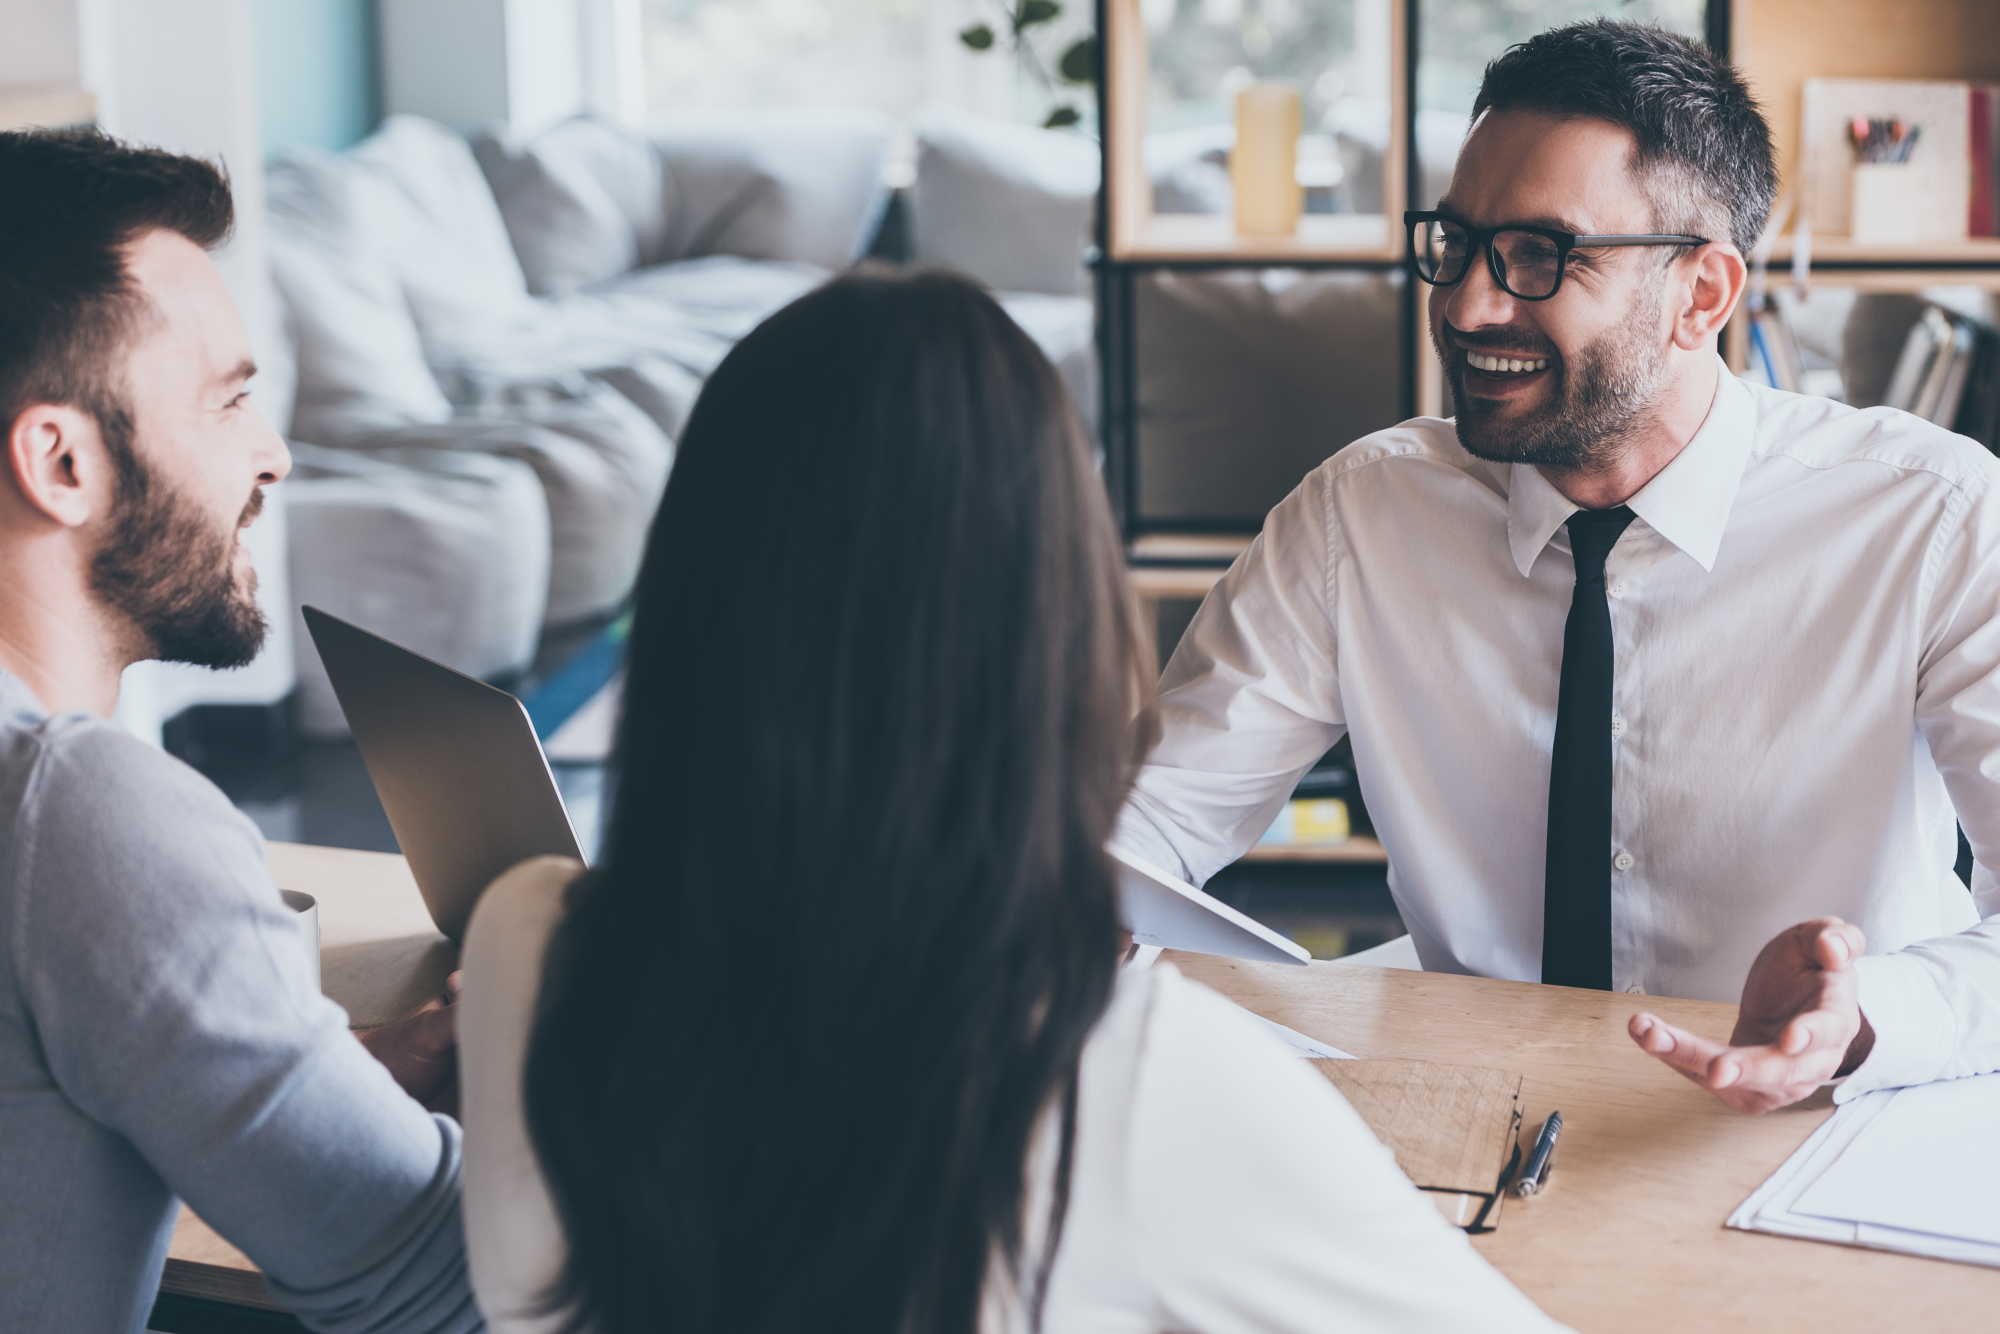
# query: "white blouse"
1220,1186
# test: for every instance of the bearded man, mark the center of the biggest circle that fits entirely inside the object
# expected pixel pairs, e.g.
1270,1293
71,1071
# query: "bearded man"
1642,664
160,1035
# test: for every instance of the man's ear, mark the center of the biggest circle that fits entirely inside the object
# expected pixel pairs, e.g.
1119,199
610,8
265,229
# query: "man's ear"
1715,282
57,462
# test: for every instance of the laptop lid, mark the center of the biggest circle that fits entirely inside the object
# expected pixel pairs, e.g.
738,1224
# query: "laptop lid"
454,760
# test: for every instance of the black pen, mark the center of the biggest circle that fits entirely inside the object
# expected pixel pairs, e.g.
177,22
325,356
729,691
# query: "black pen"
1537,1169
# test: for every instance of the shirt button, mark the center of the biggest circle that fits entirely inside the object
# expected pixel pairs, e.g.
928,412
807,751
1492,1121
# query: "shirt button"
1617,725
1623,861
1617,591
1635,990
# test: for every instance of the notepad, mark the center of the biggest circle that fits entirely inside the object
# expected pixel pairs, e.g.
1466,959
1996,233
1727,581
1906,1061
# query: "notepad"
1455,1129
1915,1170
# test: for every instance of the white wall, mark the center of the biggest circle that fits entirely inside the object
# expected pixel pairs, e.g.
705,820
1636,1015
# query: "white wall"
518,65
179,76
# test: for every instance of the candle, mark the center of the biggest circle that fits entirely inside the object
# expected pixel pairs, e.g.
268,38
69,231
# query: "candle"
1263,169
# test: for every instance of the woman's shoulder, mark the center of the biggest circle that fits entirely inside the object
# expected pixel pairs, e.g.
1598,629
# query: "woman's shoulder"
1173,1065
513,920
514,1242
1181,1024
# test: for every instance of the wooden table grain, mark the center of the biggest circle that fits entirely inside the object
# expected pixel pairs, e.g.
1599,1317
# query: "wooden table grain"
1628,1235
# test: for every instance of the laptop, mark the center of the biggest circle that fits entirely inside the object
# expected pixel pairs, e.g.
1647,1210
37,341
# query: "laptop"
455,761
469,793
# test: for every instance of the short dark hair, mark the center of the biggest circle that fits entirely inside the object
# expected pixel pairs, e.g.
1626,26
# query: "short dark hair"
70,201
1704,146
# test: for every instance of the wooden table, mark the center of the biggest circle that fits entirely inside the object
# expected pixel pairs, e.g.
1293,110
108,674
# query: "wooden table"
1628,1236
380,957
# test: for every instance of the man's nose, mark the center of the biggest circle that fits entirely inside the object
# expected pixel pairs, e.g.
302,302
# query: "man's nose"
274,458
1476,301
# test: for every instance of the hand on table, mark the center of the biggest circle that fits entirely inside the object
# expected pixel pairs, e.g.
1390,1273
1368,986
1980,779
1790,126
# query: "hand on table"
421,1049
1799,1026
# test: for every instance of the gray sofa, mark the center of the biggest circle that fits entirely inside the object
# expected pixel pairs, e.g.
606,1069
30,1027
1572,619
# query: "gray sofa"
483,327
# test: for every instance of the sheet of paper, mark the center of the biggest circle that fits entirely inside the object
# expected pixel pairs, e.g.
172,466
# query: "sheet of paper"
1300,1043
1928,1163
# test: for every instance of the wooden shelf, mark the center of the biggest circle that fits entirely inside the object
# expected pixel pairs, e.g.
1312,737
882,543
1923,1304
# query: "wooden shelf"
1353,237
1845,250
1779,44
1155,583
1138,234
26,107
1212,548
1357,851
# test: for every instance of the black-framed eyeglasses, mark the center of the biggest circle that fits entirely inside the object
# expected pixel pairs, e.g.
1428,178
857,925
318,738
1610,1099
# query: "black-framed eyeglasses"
1527,262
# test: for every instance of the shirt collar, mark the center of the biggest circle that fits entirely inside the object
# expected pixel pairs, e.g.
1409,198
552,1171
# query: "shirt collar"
1688,503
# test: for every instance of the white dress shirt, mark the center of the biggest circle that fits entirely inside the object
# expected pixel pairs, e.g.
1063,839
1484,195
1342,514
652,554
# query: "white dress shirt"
1804,619
1219,1185
1935,1008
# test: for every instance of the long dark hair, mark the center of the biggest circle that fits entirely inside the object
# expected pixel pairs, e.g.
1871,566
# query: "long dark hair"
855,920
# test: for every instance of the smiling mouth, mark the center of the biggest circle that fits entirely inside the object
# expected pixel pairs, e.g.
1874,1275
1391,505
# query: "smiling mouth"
1479,361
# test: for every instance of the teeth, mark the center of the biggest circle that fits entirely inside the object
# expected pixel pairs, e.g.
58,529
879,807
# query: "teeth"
1507,364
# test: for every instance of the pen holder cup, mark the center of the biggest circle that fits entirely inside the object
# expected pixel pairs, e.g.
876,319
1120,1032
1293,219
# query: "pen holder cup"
1888,209
307,907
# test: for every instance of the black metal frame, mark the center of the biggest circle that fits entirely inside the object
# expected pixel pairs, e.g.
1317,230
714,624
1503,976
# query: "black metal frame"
1116,280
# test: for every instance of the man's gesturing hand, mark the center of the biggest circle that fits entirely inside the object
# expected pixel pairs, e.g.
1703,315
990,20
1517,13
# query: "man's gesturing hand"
1800,1024
421,1049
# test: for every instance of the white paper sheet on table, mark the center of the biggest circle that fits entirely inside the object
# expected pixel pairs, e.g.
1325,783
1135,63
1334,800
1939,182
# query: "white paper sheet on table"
1143,958
1300,1043
1914,1170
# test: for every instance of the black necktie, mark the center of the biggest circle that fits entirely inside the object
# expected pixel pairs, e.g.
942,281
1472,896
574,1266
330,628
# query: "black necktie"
1576,902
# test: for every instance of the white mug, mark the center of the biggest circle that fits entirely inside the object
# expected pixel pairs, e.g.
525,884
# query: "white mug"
307,907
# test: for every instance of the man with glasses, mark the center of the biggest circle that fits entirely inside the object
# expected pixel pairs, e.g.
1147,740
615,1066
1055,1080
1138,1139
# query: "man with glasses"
1641,664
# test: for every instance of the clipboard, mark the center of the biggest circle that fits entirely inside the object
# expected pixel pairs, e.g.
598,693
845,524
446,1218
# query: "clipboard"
1455,1129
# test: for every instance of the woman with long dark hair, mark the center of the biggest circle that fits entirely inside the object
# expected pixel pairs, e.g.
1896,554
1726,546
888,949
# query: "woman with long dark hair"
834,1037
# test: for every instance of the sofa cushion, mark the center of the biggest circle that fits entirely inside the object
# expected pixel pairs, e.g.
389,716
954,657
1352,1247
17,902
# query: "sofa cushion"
780,183
444,551
443,231
584,201
1006,204
602,464
360,358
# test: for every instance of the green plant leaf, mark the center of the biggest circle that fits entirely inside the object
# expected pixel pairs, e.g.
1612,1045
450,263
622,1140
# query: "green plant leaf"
1078,64
1033,12
979,37
1062,118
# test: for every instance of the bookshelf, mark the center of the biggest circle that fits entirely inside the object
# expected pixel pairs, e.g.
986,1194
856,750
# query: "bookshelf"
1135,232
1360,850
1779,44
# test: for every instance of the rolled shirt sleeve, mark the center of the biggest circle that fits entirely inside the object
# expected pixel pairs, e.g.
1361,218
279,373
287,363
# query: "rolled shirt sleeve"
1935,1009
1249,701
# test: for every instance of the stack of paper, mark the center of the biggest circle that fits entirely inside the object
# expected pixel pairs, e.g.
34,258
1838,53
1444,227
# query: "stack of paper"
1914,1170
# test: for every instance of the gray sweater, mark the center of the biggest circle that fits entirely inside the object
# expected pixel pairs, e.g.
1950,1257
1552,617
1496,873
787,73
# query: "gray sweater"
159,1038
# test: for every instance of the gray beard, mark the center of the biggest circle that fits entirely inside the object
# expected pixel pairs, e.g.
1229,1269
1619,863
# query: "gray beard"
1603,395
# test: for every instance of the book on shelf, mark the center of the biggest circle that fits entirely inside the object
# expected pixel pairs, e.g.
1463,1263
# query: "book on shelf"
1949,373
1309,822
1772,343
